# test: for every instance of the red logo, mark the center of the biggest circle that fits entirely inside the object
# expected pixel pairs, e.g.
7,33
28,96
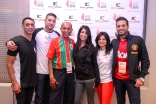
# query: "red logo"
98,3
82,16
114,17
35,2
97,32
67,3
130,4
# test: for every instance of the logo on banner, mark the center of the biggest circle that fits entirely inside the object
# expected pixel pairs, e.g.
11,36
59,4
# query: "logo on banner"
115,16
71,18
102,19
85,17
39,17
55,4
133,5
38,3
70,4
118,6
134,19
86,6
97,32
101,4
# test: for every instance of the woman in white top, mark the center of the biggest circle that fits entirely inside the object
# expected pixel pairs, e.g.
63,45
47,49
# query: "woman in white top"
104,60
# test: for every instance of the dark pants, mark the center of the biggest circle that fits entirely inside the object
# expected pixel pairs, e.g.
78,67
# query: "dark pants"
64,88
42,89
25,96
80,87
121,86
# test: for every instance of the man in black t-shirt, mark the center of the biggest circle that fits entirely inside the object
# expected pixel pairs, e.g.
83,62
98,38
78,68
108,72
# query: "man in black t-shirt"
21,63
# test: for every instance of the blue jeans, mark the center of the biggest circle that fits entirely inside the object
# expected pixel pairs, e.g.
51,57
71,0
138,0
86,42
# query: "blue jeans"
121,86
42,89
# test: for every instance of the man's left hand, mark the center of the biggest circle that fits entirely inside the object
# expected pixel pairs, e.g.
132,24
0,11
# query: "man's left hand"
138,83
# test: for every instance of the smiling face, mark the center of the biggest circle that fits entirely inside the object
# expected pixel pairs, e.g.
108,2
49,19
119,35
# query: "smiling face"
28,26
83,35
49,22
66,30
102,42
122,28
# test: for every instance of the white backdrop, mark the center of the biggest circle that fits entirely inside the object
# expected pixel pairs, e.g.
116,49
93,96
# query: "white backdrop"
99,15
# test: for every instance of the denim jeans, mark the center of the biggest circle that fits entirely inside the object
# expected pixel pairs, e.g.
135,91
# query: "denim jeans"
42,89
80,86
121,86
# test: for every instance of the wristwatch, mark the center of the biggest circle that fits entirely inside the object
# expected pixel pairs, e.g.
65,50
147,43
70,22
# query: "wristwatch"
142,79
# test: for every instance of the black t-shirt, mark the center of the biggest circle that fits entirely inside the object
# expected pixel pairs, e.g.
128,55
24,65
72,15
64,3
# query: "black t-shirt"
25,62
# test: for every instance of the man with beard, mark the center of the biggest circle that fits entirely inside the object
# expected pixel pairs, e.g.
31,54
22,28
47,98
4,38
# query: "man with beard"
128,52
43,37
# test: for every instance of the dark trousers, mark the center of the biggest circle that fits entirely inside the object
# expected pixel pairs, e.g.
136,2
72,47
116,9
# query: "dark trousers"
121,86
42,89
25,96
64,88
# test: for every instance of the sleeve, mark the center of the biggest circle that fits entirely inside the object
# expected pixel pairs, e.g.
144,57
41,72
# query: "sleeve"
144,58
14,53
35,32
95,68
57,33
51,51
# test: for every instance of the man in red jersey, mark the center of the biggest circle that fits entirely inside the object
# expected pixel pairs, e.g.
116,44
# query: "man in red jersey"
128,52
60,65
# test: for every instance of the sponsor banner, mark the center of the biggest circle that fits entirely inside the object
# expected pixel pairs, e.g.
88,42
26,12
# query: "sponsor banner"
97,14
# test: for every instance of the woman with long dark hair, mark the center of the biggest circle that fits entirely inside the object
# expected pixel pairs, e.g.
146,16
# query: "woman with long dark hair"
104,60
86,68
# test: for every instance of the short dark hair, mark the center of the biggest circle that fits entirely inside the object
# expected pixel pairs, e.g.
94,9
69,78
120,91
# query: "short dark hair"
122,18
29,18
51,14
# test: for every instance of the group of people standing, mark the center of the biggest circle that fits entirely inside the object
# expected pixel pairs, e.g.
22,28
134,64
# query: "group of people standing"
61,70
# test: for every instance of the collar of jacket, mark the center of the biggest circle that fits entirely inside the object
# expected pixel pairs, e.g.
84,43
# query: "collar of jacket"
127,36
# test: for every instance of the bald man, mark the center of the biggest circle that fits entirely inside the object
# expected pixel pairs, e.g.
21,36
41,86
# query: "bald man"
60,63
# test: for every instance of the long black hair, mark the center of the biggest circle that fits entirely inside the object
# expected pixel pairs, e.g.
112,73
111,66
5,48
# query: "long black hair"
108,45
88,41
